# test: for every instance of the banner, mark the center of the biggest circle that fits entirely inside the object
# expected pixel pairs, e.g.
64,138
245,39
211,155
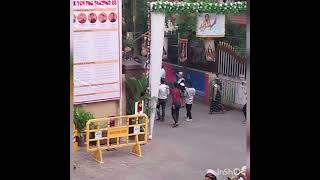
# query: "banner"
211,25
210,50
97,50
183,50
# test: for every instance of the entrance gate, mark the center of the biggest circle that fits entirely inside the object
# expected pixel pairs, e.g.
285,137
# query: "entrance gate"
232,73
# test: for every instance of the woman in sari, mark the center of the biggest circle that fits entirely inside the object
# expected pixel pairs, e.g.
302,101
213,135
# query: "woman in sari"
215,104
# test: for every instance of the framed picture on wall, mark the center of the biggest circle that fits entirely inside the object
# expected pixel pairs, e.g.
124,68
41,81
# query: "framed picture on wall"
210,50
211,25
183,50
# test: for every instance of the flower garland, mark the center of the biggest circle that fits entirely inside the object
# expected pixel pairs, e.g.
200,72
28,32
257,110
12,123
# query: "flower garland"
184,7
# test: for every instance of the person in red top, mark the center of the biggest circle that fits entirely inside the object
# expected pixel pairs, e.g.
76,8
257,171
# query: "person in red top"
176,104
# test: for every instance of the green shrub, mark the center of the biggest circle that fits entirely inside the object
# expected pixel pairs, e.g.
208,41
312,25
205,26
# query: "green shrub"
136,91
80,118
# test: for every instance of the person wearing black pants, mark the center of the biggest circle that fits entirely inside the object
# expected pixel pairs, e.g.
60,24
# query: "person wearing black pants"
176,104
189,94
162,104
175,113
244,110
162,99
189,116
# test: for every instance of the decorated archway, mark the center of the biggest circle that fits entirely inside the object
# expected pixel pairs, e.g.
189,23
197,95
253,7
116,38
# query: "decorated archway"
156,25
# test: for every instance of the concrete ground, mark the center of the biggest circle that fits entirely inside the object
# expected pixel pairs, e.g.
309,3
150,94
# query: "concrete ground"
210,141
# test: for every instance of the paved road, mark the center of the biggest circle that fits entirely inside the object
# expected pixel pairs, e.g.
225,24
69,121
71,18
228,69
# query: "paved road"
183,153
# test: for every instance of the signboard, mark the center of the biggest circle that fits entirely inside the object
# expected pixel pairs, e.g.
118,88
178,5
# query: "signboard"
97,50
139,107
136,129
98,135
117,132
211,25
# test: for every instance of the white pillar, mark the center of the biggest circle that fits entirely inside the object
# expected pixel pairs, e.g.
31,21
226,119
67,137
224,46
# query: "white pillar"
156,48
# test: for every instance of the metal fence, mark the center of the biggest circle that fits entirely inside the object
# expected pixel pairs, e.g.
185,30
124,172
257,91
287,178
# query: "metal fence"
232,73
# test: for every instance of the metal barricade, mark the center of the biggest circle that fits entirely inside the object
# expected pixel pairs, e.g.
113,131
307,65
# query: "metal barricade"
75,139
116,132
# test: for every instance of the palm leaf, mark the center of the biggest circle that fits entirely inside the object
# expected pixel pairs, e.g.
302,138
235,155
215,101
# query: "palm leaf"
135,89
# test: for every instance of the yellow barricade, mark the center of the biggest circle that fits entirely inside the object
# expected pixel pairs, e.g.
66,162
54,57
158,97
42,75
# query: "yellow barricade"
75,138
116,132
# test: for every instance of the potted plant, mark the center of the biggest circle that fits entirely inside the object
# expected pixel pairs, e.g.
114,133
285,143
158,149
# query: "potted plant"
80,118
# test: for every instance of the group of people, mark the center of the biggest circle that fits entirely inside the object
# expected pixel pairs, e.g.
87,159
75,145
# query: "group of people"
182,94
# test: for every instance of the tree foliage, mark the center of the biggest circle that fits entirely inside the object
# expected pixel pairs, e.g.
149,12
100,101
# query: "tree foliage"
236,36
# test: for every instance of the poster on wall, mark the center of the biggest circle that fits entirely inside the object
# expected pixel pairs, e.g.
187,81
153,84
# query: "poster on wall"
210,50
97,50
210,25
183,50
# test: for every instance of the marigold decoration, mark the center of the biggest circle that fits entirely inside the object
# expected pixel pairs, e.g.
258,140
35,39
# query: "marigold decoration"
184,7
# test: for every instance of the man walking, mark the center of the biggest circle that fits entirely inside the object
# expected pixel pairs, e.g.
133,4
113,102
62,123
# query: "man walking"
162,99
176,104
181,86
190,92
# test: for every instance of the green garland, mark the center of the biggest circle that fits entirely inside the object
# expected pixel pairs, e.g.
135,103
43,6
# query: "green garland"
184,7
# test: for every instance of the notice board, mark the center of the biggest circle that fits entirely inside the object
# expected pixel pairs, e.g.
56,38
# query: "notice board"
97,50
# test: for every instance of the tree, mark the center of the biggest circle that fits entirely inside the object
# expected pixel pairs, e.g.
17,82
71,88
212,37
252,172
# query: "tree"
236,36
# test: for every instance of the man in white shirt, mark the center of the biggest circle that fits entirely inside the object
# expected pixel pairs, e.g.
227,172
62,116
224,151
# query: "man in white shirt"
189,94
162,99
